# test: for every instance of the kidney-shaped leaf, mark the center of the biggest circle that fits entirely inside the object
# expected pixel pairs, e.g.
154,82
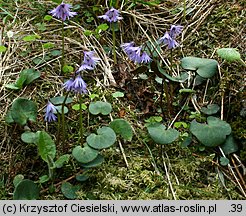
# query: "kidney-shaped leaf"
123,128
212,134
206,68
85,154
29,137
104,138
229,54
26,190
23,110
100,107
46,146
2,48
160,135
224,161
210,109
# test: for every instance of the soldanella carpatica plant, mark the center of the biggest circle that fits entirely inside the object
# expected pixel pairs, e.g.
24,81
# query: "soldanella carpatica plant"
63,12
71,129
112,16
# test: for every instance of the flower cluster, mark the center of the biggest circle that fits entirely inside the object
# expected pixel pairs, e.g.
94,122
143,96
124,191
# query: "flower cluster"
63,12
135,53
76,85
89,62
111,15
169,38
50,112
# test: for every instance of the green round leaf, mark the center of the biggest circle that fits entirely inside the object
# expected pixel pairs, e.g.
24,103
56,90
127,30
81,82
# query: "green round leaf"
123,128
56,53
211,109
48,45
160,135
230,146
212,134
29,137
46,146
224,161
93,96
77,107
23,110
2,48
67,69
62,160
206,68
30,38
95,163
118,94
153,119
69,190
187,141
26,190
17,179
85,154
60,99
100,107
47,17
229,54
103,27
104,138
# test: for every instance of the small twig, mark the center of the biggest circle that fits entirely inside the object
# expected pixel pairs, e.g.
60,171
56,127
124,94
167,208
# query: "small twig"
167,175
206,88
240,162
174,119
234,175
177,180
238,173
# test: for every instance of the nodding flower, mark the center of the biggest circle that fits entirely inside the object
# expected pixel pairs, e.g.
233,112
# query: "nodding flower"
111,15
50,112
135,53
63,12
89,62
175,30
167,39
